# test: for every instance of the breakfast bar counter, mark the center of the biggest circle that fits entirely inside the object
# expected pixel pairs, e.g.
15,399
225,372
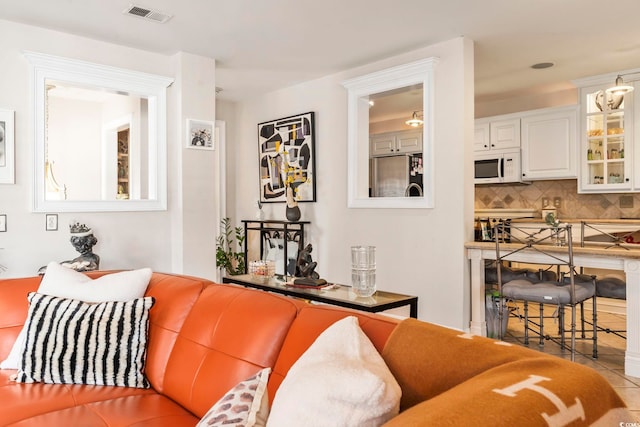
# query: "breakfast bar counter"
623,259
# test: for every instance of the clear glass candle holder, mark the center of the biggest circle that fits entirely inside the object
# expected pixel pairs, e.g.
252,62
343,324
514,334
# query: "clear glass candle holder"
363,256
363,281
363,270
262,269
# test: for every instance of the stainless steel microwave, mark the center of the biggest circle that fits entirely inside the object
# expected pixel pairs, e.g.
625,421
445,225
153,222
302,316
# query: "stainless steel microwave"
498,167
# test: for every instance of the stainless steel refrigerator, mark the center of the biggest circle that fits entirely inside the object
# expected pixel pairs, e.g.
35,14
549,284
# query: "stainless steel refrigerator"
391,176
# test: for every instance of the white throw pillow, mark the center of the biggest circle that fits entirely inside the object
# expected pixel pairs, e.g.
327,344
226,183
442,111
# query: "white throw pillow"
63,282
245,405
341,380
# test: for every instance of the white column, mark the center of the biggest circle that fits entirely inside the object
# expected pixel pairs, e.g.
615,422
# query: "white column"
632,355
478,325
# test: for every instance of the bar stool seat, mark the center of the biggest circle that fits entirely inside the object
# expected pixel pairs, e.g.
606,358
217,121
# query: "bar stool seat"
546,292
611,287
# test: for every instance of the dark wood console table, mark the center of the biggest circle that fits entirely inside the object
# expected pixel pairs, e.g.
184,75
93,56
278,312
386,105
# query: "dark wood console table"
337,294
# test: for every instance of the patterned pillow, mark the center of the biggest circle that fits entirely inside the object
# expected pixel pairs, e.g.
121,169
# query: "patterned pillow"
245,405
67,283
73,342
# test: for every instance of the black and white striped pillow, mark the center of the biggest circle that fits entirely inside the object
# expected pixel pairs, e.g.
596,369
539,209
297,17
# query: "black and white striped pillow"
73,342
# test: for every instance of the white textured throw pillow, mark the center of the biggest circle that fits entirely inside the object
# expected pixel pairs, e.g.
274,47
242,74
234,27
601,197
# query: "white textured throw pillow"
64,282
73,342
245,405
340,381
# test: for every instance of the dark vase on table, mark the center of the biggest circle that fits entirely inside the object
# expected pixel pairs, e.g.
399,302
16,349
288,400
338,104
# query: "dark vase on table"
292,210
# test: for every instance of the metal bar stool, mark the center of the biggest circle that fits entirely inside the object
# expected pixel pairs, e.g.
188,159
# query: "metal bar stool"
551,246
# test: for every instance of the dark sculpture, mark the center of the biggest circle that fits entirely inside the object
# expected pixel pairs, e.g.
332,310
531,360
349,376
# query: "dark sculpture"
305,269
305,266
83,241
87,261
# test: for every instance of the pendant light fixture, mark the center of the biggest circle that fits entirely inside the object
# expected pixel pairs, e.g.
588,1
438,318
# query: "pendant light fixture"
620,88
414,121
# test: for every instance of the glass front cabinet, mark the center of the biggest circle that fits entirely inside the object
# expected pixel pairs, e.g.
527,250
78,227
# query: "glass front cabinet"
607,148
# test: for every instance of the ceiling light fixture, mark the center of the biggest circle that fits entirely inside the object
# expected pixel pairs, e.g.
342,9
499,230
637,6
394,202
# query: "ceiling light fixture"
620,88
415,121
542,65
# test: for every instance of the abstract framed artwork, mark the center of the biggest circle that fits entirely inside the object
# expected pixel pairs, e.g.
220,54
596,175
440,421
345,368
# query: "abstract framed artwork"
286,156
7,147
200,134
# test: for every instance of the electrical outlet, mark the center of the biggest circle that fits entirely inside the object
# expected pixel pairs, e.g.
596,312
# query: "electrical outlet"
626,201
556,202
545,202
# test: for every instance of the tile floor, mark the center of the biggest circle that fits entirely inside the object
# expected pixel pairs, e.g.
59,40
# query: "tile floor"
610,361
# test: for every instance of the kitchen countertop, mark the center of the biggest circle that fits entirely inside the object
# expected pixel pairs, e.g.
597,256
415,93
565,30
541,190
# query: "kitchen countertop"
505,213
624,221
595,231
591,249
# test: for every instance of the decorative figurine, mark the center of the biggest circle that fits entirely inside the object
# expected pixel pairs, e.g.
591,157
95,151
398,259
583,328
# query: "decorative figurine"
305,269
83,240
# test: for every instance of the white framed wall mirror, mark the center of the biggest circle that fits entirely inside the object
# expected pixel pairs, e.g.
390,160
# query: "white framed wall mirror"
390,133
100,137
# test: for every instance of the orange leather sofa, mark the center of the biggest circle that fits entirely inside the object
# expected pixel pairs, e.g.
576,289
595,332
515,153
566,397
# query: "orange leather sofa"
204,338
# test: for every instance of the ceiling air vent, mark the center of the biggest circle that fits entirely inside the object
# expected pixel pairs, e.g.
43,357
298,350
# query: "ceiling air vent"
148,14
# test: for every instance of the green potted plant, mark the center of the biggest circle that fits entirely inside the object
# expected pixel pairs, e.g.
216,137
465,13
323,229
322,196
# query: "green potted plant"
227,257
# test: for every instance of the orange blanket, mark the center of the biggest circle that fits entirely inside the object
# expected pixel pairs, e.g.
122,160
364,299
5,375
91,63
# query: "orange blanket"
452,378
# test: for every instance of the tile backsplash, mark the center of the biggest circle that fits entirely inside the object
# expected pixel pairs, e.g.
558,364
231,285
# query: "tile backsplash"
572,204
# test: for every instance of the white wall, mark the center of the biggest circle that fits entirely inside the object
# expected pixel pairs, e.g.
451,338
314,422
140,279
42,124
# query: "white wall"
420,252
196,217
126,239
227,112
522,102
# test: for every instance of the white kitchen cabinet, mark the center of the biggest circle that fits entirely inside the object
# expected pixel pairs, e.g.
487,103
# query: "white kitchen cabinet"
505,134
481,140
549,143
607,145
497,134
391,143
382,144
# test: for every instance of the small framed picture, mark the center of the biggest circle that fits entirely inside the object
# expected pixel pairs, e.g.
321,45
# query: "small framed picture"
199,134
51,222
7,146
3,223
